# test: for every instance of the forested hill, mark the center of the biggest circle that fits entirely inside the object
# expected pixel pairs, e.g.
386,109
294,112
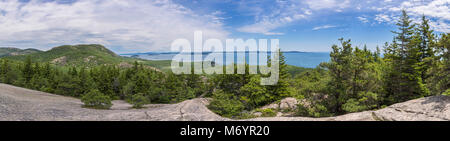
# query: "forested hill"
9,51
84,55
74,55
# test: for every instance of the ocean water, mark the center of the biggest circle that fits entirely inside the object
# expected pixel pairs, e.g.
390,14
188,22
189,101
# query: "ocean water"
307,59
300,59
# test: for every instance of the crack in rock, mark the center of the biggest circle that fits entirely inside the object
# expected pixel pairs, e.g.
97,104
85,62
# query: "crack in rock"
181,110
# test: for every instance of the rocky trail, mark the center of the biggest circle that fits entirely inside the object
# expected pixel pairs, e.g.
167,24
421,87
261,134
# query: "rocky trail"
19,104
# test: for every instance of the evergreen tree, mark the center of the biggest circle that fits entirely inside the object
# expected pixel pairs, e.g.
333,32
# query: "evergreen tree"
355,78
27,71
255,95
341,73
195,83
426,47
86,83
281,89
4,70
405,71
176,89
439,80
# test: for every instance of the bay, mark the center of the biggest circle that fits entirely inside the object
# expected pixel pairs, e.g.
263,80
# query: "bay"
300,59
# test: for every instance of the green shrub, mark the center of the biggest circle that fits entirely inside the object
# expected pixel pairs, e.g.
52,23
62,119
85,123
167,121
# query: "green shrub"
447,92
138,100
226,104
317,110
366,101
96,99
267,112
352,105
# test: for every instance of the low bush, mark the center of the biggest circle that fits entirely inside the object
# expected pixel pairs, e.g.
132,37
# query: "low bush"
226,104
267,112
97,100
138,101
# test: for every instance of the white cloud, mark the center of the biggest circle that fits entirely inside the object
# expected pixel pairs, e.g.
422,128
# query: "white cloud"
338,5
363,19
131,25
285,12
266,25
441,26
383,18
281,14
437,10
323,27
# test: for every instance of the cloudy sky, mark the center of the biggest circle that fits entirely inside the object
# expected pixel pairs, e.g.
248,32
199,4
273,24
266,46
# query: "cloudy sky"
127,26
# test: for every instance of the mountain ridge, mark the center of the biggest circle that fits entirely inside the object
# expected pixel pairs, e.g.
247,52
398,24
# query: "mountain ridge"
79,55
11,51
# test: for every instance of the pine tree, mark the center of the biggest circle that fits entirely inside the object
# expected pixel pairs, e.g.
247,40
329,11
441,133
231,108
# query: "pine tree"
176,89
27,71
439,80
255,95
86,83
404,35
341,74
355,78
47,71
3,70
281,89
9,73
426,46
194,83
404,79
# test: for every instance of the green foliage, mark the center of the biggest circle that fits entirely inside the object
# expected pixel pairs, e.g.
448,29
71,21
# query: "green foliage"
15,51
138,100
255,95
447,92
413,66
281,89
311,82
267,112
27,71
91,55
8,74
112,81
366,101
316,110
226,104
245,90
294,70
176,89
352,105
353,71
96,99
439,74
408,59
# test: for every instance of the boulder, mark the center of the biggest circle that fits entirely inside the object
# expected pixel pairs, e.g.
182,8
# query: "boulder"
258,114
271,106
288,104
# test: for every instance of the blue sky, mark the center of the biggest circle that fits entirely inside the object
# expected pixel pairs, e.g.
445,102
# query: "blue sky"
127,26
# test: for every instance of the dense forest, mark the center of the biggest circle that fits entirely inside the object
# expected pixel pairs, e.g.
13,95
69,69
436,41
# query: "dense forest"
415,64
